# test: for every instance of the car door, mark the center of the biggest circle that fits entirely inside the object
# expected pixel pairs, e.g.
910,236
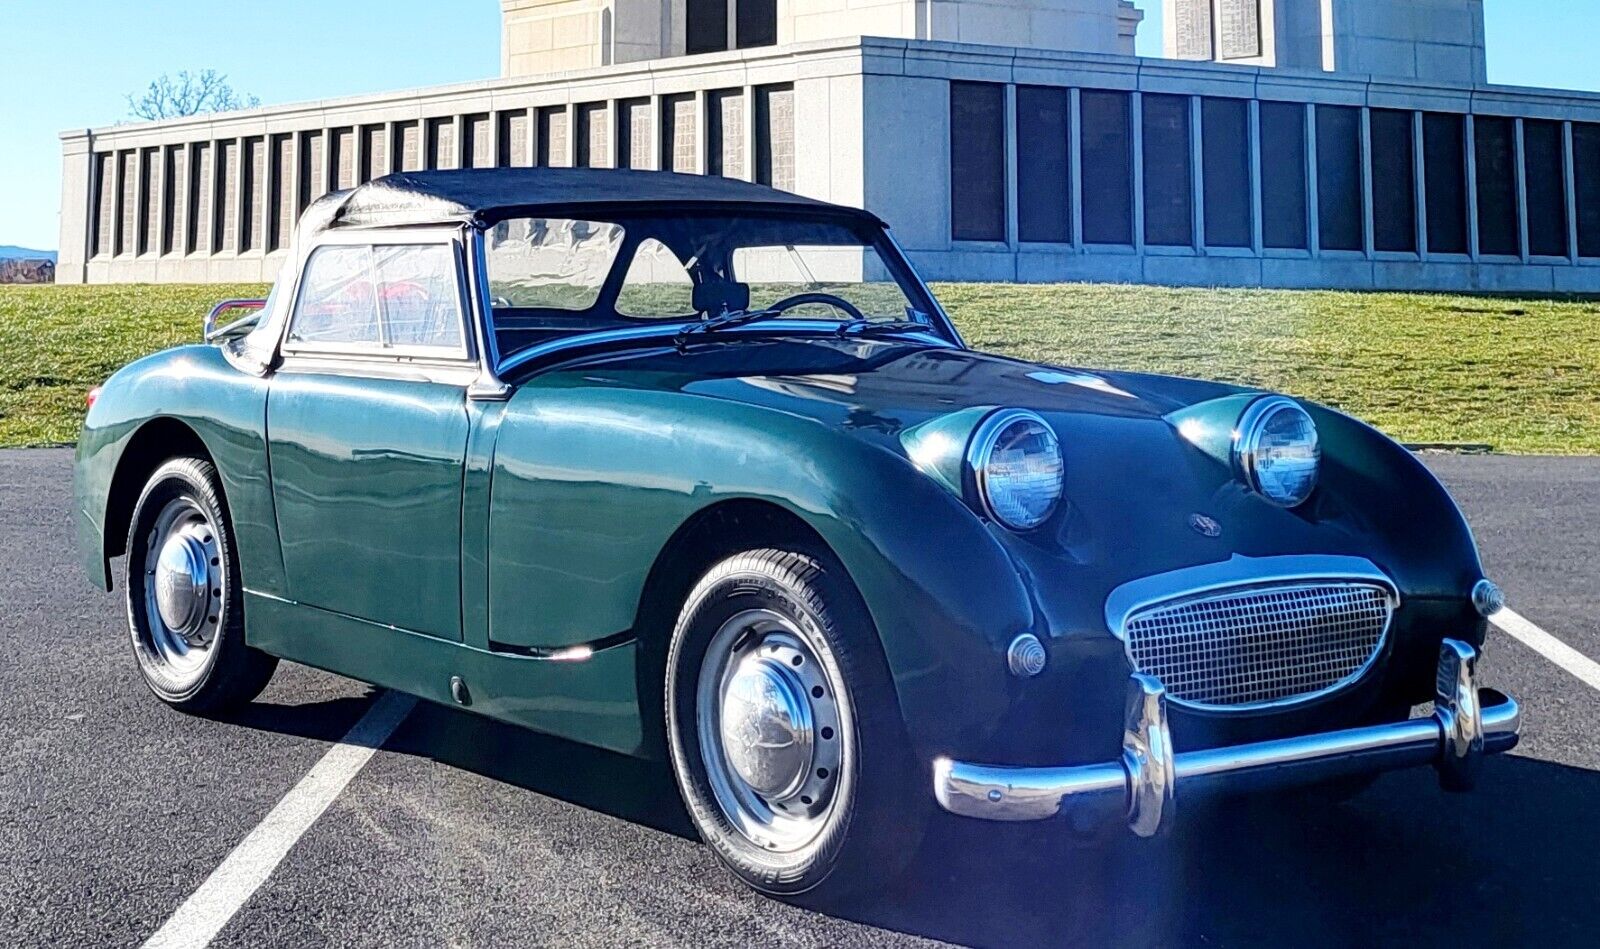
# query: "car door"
367,430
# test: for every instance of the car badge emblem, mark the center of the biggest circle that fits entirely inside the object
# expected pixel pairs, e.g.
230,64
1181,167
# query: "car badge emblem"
1205,526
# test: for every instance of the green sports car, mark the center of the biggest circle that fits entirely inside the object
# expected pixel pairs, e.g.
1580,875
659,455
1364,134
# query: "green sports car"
687,467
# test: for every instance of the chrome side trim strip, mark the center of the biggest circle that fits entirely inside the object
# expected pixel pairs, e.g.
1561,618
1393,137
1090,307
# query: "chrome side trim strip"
1141,788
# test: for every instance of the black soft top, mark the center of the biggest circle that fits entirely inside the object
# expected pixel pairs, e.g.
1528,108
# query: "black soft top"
483,196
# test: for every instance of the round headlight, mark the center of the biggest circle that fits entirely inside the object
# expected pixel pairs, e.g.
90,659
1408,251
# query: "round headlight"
1016,462
1276,450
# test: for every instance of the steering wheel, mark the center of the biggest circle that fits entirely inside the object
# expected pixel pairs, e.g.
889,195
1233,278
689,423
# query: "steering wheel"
826,299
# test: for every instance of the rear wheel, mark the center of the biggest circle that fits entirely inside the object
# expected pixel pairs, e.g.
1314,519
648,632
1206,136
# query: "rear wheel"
184,597
785,736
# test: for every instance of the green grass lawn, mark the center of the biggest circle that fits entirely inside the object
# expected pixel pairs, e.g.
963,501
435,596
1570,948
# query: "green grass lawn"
1518,375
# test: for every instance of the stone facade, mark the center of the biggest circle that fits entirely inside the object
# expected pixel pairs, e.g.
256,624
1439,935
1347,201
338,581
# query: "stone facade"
1430,40
545,36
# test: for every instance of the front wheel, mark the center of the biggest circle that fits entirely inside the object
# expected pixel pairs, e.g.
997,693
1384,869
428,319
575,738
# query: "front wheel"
785,735
184,597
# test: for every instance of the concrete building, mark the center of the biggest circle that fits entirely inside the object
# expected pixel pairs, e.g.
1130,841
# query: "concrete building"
1003,139
1430,40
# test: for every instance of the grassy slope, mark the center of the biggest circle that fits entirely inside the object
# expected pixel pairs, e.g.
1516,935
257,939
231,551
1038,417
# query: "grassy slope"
1520,375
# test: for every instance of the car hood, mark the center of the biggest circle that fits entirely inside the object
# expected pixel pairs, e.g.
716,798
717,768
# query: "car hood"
1144,453
879,388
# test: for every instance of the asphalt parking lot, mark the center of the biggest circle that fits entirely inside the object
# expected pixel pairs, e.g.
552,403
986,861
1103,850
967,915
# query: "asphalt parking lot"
460,831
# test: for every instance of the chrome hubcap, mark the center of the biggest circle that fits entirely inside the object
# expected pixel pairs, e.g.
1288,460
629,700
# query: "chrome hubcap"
183,583
767,732
184,586
773,733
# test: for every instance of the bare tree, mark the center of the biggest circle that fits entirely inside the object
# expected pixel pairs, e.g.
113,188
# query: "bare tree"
188,94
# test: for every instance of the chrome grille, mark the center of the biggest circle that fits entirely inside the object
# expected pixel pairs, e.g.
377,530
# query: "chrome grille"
1260,645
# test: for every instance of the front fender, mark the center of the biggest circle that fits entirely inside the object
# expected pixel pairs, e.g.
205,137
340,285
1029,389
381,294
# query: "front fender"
175,402
591,483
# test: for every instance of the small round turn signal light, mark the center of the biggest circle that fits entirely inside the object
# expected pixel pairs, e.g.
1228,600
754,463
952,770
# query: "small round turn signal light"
1026,656
1487,598
93,397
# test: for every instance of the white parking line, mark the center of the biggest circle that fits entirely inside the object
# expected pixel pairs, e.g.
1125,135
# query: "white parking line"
210,907
1546,645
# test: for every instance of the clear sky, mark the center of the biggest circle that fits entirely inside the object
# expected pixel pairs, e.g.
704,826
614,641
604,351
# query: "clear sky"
71,63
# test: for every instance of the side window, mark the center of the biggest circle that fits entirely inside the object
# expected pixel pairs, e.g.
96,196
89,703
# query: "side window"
420,297
550,263
337,302
657,285
402,295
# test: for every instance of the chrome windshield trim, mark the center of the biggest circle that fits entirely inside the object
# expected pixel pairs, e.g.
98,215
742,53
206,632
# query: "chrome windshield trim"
1239,571
669,330
947,324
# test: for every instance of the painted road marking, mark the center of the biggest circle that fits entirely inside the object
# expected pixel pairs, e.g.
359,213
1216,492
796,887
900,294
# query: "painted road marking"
1546,645
209,908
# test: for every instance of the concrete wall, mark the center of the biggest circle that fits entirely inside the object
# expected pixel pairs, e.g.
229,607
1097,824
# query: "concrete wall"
908,152
546,36
1428,40
215,198
1093,26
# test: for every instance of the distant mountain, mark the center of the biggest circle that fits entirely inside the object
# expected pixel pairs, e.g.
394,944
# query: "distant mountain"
12,252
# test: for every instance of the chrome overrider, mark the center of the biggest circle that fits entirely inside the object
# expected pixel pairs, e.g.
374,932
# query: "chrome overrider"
1141,788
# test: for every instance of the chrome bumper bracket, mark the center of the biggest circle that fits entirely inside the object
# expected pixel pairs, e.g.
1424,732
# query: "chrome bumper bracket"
1141,788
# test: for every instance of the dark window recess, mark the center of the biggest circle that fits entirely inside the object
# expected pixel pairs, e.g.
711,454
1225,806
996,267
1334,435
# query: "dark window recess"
756,23
705,26
1283,176
1225,168
1586,164
977,161
1444,152
1044,202
1339,178
1394,182
1497,187
1168,172
1107,163
1545,184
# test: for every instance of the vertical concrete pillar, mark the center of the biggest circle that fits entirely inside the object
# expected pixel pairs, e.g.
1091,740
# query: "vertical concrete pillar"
78,200
1473,236
1419,183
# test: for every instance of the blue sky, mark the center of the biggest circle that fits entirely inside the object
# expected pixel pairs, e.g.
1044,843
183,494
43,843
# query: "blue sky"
70,63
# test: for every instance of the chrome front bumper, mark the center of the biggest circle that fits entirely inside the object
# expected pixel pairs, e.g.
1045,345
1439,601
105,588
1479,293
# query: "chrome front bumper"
1467,723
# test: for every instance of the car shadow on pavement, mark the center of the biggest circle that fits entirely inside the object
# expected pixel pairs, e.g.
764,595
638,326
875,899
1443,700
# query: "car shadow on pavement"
632,789
1402,863
325,720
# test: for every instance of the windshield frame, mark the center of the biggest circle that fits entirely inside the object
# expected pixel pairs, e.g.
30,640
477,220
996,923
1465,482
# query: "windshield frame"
624,329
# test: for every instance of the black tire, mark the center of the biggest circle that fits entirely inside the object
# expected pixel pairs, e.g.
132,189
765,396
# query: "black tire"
231,673
872,829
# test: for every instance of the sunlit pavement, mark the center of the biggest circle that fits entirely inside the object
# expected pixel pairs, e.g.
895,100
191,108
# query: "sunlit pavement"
113,810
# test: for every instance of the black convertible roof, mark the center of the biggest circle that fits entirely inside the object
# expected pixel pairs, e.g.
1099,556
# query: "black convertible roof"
488,195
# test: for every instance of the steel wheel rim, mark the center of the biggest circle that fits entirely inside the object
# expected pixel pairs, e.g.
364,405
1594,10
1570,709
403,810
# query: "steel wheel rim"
774,733
184,588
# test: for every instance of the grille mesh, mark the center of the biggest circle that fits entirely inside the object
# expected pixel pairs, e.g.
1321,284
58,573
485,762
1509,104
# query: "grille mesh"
1261,644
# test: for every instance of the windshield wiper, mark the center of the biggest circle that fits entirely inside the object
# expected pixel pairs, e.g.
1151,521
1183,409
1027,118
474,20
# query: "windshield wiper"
728,320
870,327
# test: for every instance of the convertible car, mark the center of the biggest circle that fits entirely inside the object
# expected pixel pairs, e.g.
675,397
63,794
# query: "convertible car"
687,467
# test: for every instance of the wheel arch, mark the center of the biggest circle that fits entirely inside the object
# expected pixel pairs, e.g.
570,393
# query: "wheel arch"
708,536
151,445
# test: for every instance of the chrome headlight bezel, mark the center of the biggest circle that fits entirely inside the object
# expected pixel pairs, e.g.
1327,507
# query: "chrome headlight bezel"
980,452
1247,451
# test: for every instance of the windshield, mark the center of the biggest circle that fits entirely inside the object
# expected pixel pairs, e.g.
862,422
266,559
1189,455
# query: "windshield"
550,277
